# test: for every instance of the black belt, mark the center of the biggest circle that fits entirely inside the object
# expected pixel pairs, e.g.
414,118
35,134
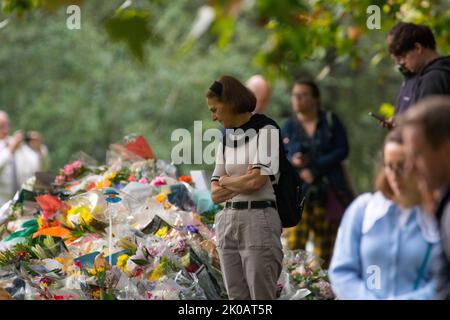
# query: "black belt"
240,205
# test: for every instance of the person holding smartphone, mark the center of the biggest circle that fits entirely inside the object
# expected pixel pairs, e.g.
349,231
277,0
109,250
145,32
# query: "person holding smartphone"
413,49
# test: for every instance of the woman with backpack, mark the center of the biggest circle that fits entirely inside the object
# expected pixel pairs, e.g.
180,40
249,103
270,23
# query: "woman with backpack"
248,229
387,244
316,143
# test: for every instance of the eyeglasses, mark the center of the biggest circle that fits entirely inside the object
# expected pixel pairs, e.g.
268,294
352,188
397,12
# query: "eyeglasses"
397,168
300,95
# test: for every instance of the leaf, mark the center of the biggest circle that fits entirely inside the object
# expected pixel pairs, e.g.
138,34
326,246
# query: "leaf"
18,6
53,5
141,262
132,27
223,28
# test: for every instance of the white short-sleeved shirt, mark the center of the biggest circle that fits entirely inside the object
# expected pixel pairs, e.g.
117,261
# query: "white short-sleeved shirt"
261,151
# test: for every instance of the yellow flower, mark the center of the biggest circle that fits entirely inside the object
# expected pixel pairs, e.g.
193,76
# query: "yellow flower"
156,273
96,293
94,271
161,197
85,216
60,260
99,185
122,262
112,175
107,183
162,232
39,221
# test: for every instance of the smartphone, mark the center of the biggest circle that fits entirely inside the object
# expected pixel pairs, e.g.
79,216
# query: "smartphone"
384,123
376,116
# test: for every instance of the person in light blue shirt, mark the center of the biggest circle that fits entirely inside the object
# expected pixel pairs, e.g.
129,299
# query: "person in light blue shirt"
387,245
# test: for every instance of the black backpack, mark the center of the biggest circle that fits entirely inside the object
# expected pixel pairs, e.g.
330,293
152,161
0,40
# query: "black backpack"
288,190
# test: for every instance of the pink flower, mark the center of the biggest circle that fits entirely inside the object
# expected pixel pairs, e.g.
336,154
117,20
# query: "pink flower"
143,181
68,170
60,180
158,181
76,165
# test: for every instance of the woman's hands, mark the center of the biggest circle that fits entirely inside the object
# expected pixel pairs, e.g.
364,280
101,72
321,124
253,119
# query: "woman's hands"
248,183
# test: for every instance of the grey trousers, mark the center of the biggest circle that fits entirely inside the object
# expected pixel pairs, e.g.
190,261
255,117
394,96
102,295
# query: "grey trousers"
250,252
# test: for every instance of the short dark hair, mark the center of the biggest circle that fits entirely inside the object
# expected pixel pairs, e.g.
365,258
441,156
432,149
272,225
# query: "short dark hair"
311,84
405,35
432,114
234,94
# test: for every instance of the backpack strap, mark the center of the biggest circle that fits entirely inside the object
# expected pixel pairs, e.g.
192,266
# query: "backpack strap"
272,178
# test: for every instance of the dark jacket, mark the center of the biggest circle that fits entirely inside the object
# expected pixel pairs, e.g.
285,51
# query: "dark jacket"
434,79
405,94
443,266
328,148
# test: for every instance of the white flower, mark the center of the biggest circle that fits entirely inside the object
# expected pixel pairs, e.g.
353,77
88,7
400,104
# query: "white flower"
130,265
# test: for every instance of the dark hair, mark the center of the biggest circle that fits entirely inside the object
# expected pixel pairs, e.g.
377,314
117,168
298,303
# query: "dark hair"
432,114
405,35
311,84
381,182
232,93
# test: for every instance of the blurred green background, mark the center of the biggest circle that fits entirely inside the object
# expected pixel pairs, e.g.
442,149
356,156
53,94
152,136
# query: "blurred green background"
142,66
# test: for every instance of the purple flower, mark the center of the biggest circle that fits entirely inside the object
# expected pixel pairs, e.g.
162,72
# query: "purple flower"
190,228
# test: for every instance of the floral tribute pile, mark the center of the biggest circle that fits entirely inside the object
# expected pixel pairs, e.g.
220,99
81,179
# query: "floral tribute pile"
130,229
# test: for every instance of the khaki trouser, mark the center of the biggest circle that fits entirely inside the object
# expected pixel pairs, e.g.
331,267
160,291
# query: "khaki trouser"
250,252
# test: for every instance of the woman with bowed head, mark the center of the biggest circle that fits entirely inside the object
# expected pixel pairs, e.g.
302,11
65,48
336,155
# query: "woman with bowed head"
248,229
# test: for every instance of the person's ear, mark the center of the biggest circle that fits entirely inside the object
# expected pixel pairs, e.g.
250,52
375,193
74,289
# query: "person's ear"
418,47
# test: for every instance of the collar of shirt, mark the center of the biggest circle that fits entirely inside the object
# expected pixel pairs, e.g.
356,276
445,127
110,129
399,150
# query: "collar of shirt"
378,206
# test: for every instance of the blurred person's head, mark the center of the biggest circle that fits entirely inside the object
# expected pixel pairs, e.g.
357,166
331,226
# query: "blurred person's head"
260,88
305,96
411,46
391,177
426,131
4,124
229,101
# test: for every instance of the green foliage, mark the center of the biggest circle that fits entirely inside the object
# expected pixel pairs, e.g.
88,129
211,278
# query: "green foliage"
19,7
132,27
83,91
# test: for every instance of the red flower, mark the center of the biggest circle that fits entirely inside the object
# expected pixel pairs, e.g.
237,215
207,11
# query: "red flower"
21,255
131,178
54,223
90,186
138,272
187,179
49,204
148,294
192,268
